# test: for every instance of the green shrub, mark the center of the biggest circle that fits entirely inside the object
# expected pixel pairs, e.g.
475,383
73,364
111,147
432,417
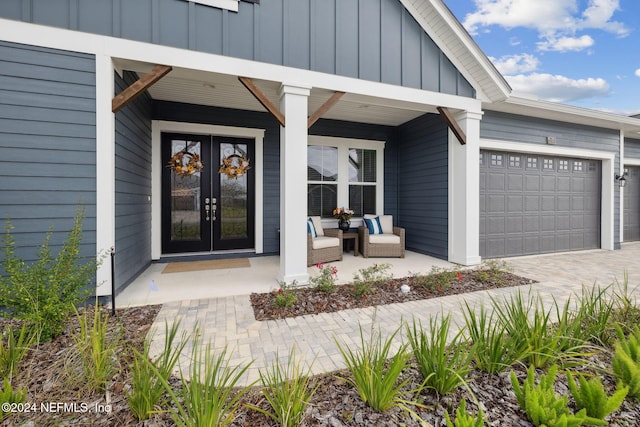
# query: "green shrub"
366,278
463,419
9,395
147,390
543,406
592,320
592,396
285,297
46,291
326,280
626,360
97,350
444,364
437,280
377,381
14,347
493,349
288,390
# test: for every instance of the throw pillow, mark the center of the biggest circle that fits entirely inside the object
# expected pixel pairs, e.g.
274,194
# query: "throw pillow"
311,228
373,225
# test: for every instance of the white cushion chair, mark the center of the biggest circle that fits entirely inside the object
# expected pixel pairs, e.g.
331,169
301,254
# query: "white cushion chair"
322,245
379,238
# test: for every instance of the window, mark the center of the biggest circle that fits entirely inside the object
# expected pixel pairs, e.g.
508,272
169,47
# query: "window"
577,166
563,165
344,173
532,163
496,160
547,164
514,161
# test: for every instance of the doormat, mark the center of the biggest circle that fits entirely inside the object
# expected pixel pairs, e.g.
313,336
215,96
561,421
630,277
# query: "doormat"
212,264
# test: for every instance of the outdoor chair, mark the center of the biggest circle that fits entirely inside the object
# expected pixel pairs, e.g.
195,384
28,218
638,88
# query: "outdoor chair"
379,238
322,245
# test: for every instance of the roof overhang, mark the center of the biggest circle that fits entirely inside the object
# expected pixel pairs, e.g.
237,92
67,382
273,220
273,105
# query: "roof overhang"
441,25
566,113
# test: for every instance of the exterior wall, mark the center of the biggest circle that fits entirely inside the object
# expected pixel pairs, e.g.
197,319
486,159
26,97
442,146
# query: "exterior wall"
423,184
47,144
133,185
319,35
220,116
514,128
632,148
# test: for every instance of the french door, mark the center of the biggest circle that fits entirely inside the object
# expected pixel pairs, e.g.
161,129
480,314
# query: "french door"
206,210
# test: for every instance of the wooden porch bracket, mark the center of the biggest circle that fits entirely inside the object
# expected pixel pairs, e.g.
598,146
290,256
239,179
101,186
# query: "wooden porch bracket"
262,99
324,108
139,86
453,125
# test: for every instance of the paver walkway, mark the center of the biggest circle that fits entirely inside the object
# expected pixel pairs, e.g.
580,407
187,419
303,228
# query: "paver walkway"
229,322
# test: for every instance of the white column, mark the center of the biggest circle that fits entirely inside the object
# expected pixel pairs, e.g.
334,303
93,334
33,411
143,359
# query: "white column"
621,189
293,184
464,192
105,171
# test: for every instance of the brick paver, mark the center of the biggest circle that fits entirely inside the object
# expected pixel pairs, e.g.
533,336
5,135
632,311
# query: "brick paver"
229,322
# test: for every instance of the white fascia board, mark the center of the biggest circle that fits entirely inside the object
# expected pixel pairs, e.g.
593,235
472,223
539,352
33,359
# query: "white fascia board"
631,162
220,4
566,113
491,85
39,35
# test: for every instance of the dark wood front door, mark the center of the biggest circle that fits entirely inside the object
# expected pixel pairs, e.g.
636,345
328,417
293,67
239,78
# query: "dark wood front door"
207,210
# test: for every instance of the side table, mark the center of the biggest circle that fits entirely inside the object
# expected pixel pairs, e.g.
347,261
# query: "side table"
352,236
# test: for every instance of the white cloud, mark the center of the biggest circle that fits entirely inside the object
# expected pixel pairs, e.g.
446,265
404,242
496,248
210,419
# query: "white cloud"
565,44
637,73
514,64
556,21
558,88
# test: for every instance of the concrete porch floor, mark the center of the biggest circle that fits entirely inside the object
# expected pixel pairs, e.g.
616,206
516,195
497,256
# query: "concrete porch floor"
153,287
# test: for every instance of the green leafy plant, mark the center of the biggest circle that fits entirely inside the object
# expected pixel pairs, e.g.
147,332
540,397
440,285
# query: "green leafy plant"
378,381
493,349
210,398
463,419
591,322
626,309
543,406
444,364
366,278
285,297
492,271
591,396
626,360
46,291
326,280
11,395
288,389
14,346
437,280
96,347
147,390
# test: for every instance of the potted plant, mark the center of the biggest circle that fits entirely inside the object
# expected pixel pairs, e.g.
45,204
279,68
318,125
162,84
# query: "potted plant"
343,216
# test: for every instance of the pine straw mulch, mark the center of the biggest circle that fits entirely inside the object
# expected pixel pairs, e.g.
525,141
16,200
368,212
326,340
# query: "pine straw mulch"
49,376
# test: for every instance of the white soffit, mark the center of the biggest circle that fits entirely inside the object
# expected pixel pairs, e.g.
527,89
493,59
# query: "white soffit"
446,31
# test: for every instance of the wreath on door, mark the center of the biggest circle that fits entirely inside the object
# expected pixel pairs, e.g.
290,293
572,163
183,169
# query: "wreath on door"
185,163
234,165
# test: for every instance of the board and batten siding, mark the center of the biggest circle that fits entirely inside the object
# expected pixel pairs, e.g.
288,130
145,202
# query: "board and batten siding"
132,185
376,40
422,171
531,130
47,145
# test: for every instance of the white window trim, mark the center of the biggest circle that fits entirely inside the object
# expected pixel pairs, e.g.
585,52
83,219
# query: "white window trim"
159,126
220,4
343,145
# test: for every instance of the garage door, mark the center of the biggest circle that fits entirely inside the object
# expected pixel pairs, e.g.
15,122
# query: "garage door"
532,204
632,204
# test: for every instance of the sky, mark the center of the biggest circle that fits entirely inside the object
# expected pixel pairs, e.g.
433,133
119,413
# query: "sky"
584,53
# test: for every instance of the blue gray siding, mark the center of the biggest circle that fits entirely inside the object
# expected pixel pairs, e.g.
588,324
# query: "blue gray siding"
375,40
632,148
514,128
47,144
133,185
422,195
221,116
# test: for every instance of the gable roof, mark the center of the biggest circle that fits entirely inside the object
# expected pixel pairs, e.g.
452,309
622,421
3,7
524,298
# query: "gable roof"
438,21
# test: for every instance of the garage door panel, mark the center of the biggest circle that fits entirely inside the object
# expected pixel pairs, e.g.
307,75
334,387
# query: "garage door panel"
538,204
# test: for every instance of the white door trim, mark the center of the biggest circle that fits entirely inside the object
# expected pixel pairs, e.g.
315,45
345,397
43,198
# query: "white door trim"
159,126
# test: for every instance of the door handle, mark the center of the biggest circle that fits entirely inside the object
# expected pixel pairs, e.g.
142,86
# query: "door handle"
214,208
206,208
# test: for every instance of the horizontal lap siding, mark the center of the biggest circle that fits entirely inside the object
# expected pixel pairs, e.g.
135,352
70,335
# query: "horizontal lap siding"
423,184
632,148
47,144
514,128
375,40
133,185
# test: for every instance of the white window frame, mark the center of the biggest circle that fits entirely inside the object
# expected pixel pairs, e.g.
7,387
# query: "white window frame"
220,4
343,145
